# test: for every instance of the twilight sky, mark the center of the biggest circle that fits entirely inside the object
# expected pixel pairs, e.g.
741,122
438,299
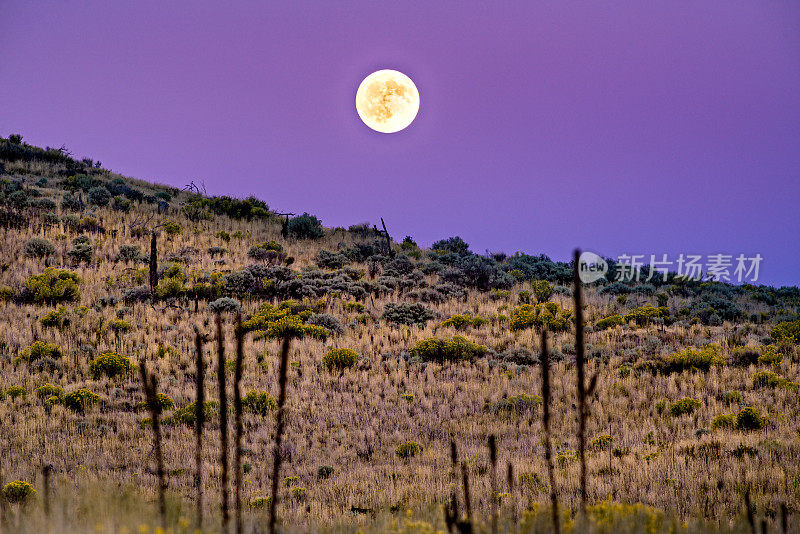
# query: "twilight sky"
619,127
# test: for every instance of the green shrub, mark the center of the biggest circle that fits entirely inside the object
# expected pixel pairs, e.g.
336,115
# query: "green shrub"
276,322
119,325
187,415
688,359
80,399
464,321
610,322
260,502
325,471
52,286
768,379
339,359
258,402
750,418
82,250
305,226
48,390
645,314
55,318
40,349
789,330
357,307
564,458
548,314
407,314
110,364
602,442
542,289
744,356
684,406
408,450
172,228
743,450
298,494
39,247
18,491
731,397
770,356
17,392
723,421
518,404
408,397
163,402
99,196
455,349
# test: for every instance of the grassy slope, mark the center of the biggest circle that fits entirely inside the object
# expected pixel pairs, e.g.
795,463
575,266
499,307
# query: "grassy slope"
355,421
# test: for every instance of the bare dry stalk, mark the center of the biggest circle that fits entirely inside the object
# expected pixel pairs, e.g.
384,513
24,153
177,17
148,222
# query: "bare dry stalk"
451,510
580,363
276,457
467,499
548,447
751,520
237,406
198,428
46,470
493,481
150,384
223,424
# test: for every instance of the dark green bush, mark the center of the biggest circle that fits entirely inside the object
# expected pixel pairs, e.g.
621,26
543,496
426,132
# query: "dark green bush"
39,247
305,226
18,491
99,196
258,402
750,418
407,314
684,406
408,450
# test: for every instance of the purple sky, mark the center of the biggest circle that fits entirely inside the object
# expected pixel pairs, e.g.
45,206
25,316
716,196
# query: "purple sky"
620,127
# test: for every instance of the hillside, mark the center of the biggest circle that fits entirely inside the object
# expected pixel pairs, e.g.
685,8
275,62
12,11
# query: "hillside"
697,382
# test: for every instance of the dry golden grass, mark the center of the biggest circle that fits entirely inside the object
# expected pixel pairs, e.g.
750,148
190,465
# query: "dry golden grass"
354,421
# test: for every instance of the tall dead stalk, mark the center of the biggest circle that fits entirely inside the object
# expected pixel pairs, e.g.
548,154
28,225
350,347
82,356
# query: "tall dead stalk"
493,481
276,457
237,407
223,424
199,417
150,384
584,391
548,447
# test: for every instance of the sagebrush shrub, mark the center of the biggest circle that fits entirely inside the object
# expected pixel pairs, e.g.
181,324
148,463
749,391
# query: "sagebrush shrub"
80,399
750,418
17,392
339,359
408,450
723,421
52,286
110,364
18,491
327,321
305,226
40,349
441,350
407,314
39,247
258,402
684,406
549,314
55,318
610,322
48,390
464,321
225,304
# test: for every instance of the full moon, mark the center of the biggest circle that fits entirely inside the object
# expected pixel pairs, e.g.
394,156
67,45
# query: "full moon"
387,101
